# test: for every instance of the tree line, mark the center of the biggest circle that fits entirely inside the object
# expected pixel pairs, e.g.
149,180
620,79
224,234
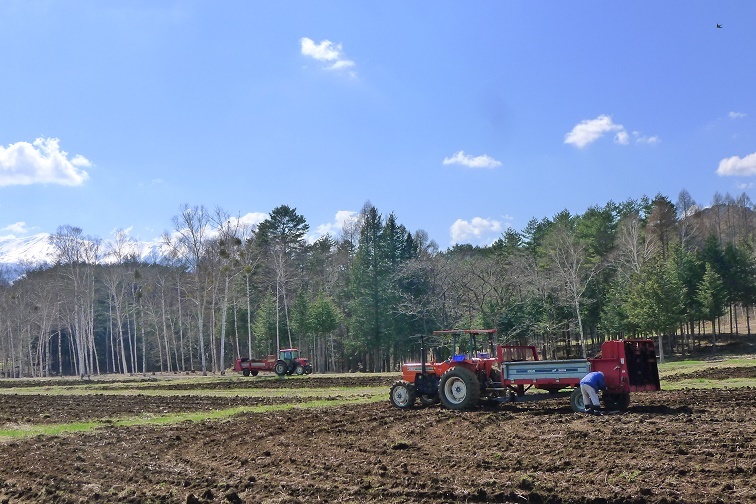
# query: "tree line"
360,300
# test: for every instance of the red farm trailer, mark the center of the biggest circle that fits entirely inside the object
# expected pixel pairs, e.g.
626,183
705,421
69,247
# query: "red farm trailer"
287,362
464,380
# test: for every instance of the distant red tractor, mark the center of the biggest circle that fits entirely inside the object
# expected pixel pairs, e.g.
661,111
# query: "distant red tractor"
464,380
287,362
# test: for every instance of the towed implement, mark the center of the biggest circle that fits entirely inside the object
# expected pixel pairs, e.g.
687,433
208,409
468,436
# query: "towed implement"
464,381
287,362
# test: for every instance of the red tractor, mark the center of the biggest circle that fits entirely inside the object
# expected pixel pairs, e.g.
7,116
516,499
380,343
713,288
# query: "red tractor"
464,380
287,362
458,382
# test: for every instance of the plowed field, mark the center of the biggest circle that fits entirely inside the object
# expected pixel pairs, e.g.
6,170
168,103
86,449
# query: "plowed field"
683,446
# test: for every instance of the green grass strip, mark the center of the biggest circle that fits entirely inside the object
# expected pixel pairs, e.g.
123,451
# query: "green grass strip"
26,431
47,430
241,392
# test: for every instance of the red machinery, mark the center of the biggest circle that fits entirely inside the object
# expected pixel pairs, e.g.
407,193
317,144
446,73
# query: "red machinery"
464,380
287,362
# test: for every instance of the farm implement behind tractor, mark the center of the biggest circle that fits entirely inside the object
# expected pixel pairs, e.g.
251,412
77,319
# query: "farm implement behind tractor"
288,362
465,380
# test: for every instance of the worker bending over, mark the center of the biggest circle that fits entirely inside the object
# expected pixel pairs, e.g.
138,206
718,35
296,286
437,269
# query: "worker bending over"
589,386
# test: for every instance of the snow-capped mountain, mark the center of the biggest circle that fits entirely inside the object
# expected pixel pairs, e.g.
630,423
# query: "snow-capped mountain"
36,250
33,249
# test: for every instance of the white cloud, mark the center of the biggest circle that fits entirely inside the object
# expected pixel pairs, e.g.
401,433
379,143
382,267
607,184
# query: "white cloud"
622,138
342,64
738,166
252,219
80,161
641,139
17,228
743,185
590,130
326,52
463,159
42,162
478,231
342,218
737,115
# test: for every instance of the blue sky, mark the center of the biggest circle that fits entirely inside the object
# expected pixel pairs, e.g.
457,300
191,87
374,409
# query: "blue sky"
463,118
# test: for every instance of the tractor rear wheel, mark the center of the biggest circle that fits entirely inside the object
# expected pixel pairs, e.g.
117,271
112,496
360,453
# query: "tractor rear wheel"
459,389
402,395
576,401
299,370
281,368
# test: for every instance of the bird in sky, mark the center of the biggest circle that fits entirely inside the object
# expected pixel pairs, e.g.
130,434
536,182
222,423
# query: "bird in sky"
719,25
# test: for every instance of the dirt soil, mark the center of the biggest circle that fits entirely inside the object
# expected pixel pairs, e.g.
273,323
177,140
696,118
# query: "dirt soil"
719,373
688,446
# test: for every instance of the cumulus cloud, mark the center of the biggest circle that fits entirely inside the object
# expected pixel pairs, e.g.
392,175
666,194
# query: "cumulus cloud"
41,162
460,158
332,55
735,165
252,219
737,115
478,231
342,219
590,130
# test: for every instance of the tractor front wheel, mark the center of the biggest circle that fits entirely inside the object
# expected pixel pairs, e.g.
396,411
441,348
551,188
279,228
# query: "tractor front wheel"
254,373
299,370
616,401
459,389
245,372
308,369
402,395
428,399
576,401
280,368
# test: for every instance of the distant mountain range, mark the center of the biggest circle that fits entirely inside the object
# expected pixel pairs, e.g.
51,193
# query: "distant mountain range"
36,250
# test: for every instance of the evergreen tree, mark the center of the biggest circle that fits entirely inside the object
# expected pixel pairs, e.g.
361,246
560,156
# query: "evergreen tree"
712,298
323,321
655,300
690,271
371,317
282,236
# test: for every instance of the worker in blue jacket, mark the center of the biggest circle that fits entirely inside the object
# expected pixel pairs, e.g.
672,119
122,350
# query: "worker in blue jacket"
589,386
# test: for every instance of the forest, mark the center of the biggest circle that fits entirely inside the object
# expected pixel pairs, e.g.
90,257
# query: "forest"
680,272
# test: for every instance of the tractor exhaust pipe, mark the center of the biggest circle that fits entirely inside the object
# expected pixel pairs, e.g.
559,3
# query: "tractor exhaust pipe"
422,354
